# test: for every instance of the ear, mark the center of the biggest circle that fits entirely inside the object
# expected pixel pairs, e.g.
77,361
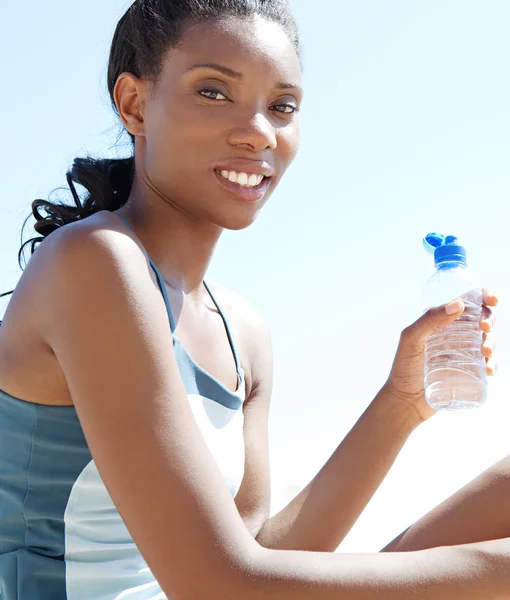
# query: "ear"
129,99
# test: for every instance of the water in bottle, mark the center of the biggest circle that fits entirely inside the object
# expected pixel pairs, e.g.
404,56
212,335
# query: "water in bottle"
455,369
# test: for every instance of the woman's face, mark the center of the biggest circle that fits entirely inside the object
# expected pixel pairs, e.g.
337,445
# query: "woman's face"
225,105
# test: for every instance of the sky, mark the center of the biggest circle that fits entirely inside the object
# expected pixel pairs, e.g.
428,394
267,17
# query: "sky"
405,131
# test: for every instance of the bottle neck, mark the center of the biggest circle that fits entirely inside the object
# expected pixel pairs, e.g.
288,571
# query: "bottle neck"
454,264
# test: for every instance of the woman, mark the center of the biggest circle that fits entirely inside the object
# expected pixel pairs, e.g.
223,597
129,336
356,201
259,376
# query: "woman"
133,416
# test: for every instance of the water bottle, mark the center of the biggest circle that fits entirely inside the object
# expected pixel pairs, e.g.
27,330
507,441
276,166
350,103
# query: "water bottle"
455,370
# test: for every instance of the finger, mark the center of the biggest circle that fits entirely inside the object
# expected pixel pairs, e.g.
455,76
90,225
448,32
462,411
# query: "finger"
489,297
492,366
491,339
432,320
488,319
488,345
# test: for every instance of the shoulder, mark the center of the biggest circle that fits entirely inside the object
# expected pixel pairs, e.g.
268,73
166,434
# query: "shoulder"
101,230
252,333
239,307
85,245
97,250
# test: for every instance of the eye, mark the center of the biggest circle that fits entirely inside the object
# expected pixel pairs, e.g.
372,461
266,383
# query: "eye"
212,94
287,109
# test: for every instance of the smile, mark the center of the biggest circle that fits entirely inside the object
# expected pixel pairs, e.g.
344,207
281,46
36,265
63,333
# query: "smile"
250,187
244,179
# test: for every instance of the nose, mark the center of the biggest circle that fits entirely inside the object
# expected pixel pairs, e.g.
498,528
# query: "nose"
255,132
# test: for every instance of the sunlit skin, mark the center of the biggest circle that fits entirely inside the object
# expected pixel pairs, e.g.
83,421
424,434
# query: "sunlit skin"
406,377
198,117
227,98
243,105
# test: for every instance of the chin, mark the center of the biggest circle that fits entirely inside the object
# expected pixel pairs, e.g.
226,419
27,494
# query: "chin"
237,222
235,215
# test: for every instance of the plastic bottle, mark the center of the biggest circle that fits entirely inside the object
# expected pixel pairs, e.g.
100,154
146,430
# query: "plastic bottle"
455,369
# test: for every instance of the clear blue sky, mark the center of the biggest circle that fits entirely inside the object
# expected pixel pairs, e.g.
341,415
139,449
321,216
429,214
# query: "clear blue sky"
406,129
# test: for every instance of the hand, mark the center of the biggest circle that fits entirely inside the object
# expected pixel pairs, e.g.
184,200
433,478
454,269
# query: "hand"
406,381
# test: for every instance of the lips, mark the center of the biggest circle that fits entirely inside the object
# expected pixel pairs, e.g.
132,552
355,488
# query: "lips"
244,193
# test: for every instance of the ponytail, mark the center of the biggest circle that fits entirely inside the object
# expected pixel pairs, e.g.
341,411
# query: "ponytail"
108,182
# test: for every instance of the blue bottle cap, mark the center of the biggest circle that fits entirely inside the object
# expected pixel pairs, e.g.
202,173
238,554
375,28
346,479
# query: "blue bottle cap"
445,249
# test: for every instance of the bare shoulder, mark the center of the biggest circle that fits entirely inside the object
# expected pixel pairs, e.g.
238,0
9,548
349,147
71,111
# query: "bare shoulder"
29,369
96,245
245,317
107,324
101,230
95,237
99,234
252,333
99,250
239,307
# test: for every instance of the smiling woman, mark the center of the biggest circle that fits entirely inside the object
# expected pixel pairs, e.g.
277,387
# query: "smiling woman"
135,395
193,119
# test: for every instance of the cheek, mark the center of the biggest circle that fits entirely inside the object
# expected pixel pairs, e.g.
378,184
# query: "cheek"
178,136
288,142
161,160
167,148
162,137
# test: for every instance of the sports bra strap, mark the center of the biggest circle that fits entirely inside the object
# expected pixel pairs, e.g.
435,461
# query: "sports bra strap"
162,287
161,282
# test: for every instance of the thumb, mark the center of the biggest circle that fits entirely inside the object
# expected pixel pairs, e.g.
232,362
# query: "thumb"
434,319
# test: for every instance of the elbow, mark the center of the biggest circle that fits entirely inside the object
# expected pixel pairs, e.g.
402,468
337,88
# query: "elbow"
229,575
243,577
262,539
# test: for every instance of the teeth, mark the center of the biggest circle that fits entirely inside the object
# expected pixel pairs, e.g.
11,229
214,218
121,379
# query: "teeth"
243,179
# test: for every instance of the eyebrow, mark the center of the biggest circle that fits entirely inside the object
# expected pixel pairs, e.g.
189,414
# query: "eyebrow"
236,75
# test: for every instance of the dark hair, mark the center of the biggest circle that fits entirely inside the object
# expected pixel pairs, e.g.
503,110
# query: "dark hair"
142,37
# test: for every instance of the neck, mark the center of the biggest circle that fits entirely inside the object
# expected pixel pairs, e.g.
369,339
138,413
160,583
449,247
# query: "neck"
181,246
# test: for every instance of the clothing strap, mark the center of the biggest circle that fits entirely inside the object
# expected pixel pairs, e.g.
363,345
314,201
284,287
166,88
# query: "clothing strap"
162,287
161,282
227,327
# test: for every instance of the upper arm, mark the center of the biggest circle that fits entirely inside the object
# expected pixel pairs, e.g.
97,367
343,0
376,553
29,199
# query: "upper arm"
104,318
254,496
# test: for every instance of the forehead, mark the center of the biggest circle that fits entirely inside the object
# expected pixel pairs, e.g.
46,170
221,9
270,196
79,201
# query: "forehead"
240,43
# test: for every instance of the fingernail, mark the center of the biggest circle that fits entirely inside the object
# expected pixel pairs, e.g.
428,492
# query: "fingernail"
453,307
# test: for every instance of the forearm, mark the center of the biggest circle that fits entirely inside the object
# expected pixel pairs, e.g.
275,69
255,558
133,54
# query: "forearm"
477,512
471,572
323,513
